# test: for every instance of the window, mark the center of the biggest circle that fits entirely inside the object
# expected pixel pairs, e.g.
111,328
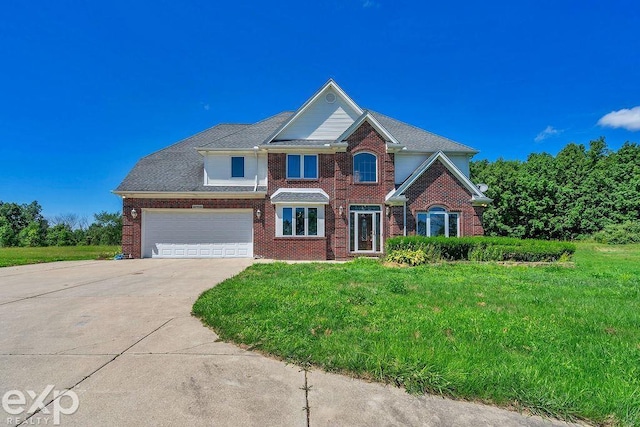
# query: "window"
438,222
365,167
237,167
301,221
302,166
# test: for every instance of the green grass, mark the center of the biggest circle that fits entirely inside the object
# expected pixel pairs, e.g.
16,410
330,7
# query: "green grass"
562,341
22,256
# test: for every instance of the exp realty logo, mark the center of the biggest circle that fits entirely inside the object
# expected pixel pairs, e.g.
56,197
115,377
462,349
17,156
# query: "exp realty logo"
14,403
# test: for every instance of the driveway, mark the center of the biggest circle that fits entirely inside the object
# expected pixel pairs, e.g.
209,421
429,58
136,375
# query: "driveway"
119,334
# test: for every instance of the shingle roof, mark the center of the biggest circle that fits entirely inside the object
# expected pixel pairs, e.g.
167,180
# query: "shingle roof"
299,197
416,139
178,167
251,135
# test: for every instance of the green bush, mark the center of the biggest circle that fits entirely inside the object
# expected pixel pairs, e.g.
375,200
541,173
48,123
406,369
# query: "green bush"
619,234
410,249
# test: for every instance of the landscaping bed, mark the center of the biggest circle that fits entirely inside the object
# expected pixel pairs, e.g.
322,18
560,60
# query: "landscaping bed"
555,341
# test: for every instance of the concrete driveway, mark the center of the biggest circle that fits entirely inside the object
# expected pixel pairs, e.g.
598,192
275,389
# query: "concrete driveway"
119,334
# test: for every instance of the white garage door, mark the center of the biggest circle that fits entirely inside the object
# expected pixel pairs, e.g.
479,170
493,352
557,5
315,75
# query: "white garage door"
195,233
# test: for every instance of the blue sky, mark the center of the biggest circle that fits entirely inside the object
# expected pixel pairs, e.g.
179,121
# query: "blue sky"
87,88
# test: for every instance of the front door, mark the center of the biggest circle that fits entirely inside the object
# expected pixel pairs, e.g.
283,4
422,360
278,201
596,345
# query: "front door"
365,228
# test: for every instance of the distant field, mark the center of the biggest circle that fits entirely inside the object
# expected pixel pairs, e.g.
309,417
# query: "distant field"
22,256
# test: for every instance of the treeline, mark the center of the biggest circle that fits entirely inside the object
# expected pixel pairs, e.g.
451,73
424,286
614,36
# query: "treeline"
575,194
24,225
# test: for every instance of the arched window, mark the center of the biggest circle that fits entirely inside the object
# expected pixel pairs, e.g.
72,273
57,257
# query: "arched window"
437,221
365,167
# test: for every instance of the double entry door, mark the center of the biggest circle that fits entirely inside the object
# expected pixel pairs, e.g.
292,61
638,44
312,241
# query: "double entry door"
365,228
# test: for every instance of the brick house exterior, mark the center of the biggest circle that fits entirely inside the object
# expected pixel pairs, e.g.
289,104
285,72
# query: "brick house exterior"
294,187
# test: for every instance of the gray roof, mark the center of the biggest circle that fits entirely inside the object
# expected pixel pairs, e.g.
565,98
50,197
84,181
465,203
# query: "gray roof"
297,197
180,168
416,139
251,135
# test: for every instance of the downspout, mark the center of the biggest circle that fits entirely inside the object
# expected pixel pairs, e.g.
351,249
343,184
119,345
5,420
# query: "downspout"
404,207
255,186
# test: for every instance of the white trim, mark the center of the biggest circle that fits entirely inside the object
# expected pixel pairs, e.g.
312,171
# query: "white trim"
192,194
366,116
320,224
353,169
301,171
446,213
380,237
330,84
244,161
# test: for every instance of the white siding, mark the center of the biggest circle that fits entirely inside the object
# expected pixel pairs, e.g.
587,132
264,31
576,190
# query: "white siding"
407,163
218,169
461,161
321,120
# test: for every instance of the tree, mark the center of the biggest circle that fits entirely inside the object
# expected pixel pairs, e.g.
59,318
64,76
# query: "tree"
60,235
106,229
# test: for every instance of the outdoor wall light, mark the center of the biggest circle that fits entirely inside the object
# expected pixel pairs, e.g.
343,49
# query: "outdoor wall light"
340,210
258,213
388,211
134,213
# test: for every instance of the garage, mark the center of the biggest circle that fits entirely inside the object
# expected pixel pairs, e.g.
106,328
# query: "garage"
197,233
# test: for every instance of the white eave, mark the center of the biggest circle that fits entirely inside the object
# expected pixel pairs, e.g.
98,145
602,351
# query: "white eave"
191,194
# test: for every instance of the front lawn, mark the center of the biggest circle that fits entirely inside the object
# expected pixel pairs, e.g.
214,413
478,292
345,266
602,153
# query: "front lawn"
21,256
557,340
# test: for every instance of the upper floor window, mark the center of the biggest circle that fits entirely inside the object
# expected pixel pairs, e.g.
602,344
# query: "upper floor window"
365,167
302,166
438,222
237,167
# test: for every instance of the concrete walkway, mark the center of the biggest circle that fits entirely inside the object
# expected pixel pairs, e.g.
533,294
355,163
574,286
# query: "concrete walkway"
120,335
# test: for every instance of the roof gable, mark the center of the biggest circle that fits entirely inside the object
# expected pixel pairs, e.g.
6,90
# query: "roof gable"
477,197
324,116
375,124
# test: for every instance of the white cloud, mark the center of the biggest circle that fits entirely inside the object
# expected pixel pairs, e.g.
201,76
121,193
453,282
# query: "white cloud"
628,119
548,132
370,3
205,106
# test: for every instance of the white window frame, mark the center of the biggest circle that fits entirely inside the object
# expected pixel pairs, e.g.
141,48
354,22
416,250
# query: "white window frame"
445,213
301,171
353,167
379,241
244,167
319,224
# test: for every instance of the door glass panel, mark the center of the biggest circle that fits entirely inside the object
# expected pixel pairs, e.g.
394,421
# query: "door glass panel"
378,235
365,232
352,231
437,225
299,221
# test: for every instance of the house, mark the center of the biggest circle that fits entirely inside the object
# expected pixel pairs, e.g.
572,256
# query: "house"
328,181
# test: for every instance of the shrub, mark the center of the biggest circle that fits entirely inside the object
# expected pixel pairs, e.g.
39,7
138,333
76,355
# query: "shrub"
619,234
415,250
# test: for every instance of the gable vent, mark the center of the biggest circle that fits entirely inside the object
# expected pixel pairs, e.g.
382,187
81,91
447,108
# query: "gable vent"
330,97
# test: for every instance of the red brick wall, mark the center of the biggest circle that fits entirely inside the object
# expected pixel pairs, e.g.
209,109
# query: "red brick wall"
132,231
438,186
